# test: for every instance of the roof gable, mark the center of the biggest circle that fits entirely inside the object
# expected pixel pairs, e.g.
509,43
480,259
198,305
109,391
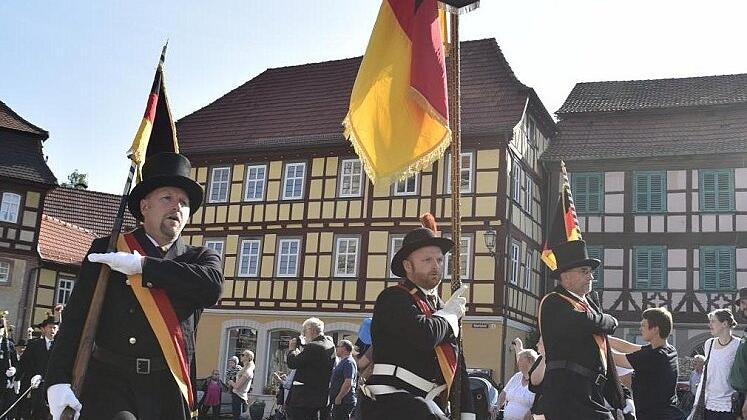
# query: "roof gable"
12,121
91,210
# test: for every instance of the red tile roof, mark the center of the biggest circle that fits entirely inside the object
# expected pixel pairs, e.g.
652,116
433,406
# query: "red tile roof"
304,105
62,242
12,121
91,210
658,93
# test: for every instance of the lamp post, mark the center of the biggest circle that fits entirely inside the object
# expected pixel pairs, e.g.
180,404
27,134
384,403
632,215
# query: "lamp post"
489,237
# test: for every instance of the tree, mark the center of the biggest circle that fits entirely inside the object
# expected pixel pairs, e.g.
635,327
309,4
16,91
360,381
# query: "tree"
77,180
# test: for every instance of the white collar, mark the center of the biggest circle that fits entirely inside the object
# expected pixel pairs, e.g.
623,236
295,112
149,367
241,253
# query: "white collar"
433,292
167,246
581,298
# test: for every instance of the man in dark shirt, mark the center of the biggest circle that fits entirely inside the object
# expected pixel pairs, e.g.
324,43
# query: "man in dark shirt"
342,384
654,365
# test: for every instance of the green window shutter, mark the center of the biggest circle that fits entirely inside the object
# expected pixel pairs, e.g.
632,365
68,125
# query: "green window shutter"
641,193
658,269
650,265
725,269
717,190
724,190
579,190
717,268
595,193
588,192
657,191
708,271
598,253
642,273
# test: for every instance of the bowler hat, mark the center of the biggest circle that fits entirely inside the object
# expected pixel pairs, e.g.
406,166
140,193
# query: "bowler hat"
572,254
416,239
167,169
47,321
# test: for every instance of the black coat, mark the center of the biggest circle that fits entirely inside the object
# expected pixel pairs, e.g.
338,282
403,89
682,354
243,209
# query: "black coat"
313,363
191,277
403,336
8,358
569,336
35,359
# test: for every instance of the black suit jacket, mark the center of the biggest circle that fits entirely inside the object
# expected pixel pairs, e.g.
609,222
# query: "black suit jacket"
402,335
34,360
313,363
191,276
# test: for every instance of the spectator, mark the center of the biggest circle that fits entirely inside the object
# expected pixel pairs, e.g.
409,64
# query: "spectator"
233,368
240,386
342,384
211,398
313,358
714,391
536,375
516,396
738,374
697,374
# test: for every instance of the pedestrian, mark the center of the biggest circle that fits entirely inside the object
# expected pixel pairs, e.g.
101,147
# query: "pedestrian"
414,336
312,355
696,375
143,363
714,396
211,396
536,376
738,374
240,386
579,375
516,398
8,367
33,367
654,367
343,382
233,368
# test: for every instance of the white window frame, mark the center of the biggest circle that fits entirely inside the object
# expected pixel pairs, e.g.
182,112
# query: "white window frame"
9,210
350,178
518,172
5,272
219,183
393,248
283,254
212,244
529,199
470,173
246,255
528,269
404,182
466,262
338,242
294,179
255,181
63,290
515,262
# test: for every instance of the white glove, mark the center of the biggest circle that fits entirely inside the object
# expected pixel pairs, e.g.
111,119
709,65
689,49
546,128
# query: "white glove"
10,372
36,380
120,261
467,416
61,396
453,309
629,407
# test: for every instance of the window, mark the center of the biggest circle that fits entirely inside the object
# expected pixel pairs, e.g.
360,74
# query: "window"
598,253
216,245
515,261
351,178
408,186
516,193
278,357
288,257
650,267
465,165
717,268
294,177
240,339
64,289
588,192
650,192
255,182
528,272
395,243
249,258
219,182
9,207
717,190
465,246
4,272
346,257
529,199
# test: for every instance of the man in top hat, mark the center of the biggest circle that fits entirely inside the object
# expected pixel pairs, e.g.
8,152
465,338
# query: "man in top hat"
579,373
33,366
738,374
414,335
143,362
8,367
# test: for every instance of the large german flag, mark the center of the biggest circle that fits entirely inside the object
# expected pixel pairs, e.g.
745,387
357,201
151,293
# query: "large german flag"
564,225
398,115
157,132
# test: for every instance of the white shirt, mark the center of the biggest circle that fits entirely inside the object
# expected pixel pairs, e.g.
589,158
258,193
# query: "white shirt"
164,247
519,398
717,388
245,376
581,298
48,342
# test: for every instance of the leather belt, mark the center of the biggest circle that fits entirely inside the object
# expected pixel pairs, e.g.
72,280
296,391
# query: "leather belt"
431,389
595,377
139,365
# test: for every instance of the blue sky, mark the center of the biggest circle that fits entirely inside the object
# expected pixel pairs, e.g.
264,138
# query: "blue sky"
82,69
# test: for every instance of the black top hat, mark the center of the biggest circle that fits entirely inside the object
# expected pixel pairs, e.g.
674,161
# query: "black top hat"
167,169
570,255
416,239
47,321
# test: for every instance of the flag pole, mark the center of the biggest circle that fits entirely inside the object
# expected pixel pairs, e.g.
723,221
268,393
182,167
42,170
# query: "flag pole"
453,80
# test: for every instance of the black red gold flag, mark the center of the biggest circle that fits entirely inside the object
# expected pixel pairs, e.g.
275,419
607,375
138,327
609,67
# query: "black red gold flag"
564,225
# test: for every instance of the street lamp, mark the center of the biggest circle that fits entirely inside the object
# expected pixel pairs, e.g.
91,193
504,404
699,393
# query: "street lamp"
489,237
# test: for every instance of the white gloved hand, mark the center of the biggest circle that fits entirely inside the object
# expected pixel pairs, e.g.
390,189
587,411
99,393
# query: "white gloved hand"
453,309
10,372
36,380
61,396
123,262
629,407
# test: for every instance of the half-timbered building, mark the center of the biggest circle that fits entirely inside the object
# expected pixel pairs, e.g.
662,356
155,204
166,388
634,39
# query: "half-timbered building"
303,232
658,170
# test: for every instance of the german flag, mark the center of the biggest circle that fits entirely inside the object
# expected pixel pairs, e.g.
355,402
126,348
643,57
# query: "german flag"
398,115
564,225
157,132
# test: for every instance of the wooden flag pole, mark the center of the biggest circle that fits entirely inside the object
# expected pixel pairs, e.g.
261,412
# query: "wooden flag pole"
453,81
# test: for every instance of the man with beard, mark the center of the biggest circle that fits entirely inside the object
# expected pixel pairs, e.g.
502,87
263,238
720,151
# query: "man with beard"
738,374
414,334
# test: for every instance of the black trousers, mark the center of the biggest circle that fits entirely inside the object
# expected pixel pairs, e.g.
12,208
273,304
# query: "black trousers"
567,395
400,405
308,413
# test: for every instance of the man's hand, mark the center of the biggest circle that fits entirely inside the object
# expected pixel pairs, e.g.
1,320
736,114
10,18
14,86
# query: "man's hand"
518,345
293,344
61,396
453,309
10,372
338,401
123,262
36,381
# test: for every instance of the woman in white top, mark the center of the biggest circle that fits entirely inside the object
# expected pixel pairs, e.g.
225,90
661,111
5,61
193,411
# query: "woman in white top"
720,352
240,387
516,395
